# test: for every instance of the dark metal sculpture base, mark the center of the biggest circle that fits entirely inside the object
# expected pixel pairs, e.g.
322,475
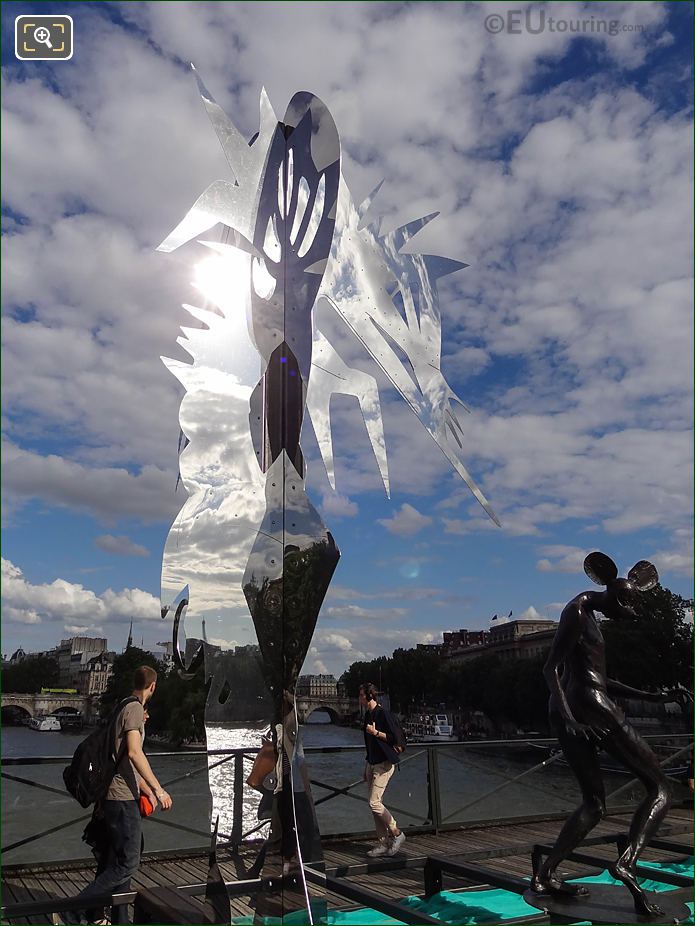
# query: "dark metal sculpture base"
607,905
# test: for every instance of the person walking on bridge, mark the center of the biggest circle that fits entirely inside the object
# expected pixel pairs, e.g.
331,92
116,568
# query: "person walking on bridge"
381,761
120,811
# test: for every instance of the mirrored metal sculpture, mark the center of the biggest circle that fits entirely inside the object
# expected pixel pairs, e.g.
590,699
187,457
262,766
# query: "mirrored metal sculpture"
248,560
586,720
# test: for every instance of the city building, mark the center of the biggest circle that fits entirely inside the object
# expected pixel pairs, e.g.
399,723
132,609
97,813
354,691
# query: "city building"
459,639
73,655
94,675
317,686
18,656
167,657
510,640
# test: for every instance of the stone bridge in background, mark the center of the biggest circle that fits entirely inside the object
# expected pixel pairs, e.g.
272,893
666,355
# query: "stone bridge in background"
40,705
340,710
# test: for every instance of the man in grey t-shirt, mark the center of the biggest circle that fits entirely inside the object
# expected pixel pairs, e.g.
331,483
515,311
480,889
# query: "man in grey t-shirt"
121,808
132,717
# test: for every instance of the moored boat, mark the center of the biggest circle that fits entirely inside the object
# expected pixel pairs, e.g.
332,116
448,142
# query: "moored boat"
429,728
45,724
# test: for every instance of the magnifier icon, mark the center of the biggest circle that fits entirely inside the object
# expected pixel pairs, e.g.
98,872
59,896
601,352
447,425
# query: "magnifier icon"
43,35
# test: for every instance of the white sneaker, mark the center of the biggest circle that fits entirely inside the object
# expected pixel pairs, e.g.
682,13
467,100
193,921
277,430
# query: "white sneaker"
396,844
382,849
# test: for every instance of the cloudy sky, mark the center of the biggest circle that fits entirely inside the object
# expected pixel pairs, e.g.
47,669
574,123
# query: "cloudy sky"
561,165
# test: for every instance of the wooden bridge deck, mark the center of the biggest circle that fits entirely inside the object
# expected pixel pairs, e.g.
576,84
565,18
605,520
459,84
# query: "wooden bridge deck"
502,847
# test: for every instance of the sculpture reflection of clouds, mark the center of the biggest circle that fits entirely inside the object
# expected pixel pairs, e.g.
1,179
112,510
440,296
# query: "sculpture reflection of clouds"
387,298
248,551
216,527
330,375
234,204
367,279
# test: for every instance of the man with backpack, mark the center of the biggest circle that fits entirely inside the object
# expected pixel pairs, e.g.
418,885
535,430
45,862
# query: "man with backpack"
115,787
384,743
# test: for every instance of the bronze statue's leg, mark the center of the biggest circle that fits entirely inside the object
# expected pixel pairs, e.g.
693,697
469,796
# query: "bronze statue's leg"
582,757
630,749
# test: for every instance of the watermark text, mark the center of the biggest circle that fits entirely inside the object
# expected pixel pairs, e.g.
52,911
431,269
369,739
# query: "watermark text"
532,21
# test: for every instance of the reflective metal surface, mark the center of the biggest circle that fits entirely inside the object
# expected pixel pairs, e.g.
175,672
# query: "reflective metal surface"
330,375
389,300
248,560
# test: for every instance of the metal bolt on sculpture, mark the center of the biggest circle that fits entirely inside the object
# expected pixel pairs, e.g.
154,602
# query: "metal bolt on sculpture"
248,554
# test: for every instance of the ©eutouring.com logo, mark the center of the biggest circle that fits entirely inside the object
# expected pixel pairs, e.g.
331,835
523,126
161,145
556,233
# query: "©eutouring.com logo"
43,38
535,21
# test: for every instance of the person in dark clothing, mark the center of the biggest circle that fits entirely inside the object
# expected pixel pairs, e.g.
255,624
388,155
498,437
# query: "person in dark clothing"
381,761
118,824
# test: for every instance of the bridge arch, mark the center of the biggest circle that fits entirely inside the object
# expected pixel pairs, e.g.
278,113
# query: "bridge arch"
14,713
332,713
16,705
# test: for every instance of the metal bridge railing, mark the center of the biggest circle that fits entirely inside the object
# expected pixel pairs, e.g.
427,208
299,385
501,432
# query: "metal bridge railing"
438,787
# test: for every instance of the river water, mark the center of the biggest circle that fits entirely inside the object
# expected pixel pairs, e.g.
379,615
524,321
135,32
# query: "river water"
465,773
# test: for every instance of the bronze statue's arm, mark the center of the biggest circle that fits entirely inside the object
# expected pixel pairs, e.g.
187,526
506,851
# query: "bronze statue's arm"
625,691
564,642
677,695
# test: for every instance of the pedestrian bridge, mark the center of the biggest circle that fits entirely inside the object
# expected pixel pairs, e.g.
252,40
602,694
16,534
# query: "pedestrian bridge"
339,710
40,705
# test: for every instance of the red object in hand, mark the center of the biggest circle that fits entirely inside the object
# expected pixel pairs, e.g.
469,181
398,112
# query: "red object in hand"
146,806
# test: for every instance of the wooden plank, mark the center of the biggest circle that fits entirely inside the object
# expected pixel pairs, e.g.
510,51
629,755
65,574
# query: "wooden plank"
20,895
41,890
506,845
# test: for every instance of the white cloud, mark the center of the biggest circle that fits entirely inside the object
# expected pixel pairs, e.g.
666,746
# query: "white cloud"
337,648
679,559
108,492
406,522
338,506
531,614
79,630
120,546
223,642
20,615
71,604
571,205
354,612
559,558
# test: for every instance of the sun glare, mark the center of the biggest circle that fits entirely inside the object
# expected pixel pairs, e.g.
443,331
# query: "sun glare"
223,279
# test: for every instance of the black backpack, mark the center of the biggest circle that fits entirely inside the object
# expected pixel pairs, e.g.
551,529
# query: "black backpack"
95,763
400,740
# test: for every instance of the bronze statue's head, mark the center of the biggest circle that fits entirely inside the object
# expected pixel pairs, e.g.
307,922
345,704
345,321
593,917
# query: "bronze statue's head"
621,595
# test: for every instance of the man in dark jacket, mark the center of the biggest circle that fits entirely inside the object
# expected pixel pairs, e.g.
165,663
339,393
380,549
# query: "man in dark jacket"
382,758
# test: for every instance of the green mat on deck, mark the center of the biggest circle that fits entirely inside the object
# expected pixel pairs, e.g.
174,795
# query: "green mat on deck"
469,907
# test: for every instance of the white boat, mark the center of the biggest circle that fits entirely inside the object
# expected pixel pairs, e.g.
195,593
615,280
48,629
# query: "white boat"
45,724
429,729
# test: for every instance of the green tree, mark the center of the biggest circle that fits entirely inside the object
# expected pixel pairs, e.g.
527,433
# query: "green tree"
31,675
651,651
377,671
178,707
120,684
414,677
655,649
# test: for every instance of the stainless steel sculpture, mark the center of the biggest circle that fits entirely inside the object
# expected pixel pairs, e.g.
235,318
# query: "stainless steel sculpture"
248,560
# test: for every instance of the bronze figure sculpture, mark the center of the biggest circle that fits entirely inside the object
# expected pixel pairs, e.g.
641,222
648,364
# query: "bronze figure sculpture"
586,720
